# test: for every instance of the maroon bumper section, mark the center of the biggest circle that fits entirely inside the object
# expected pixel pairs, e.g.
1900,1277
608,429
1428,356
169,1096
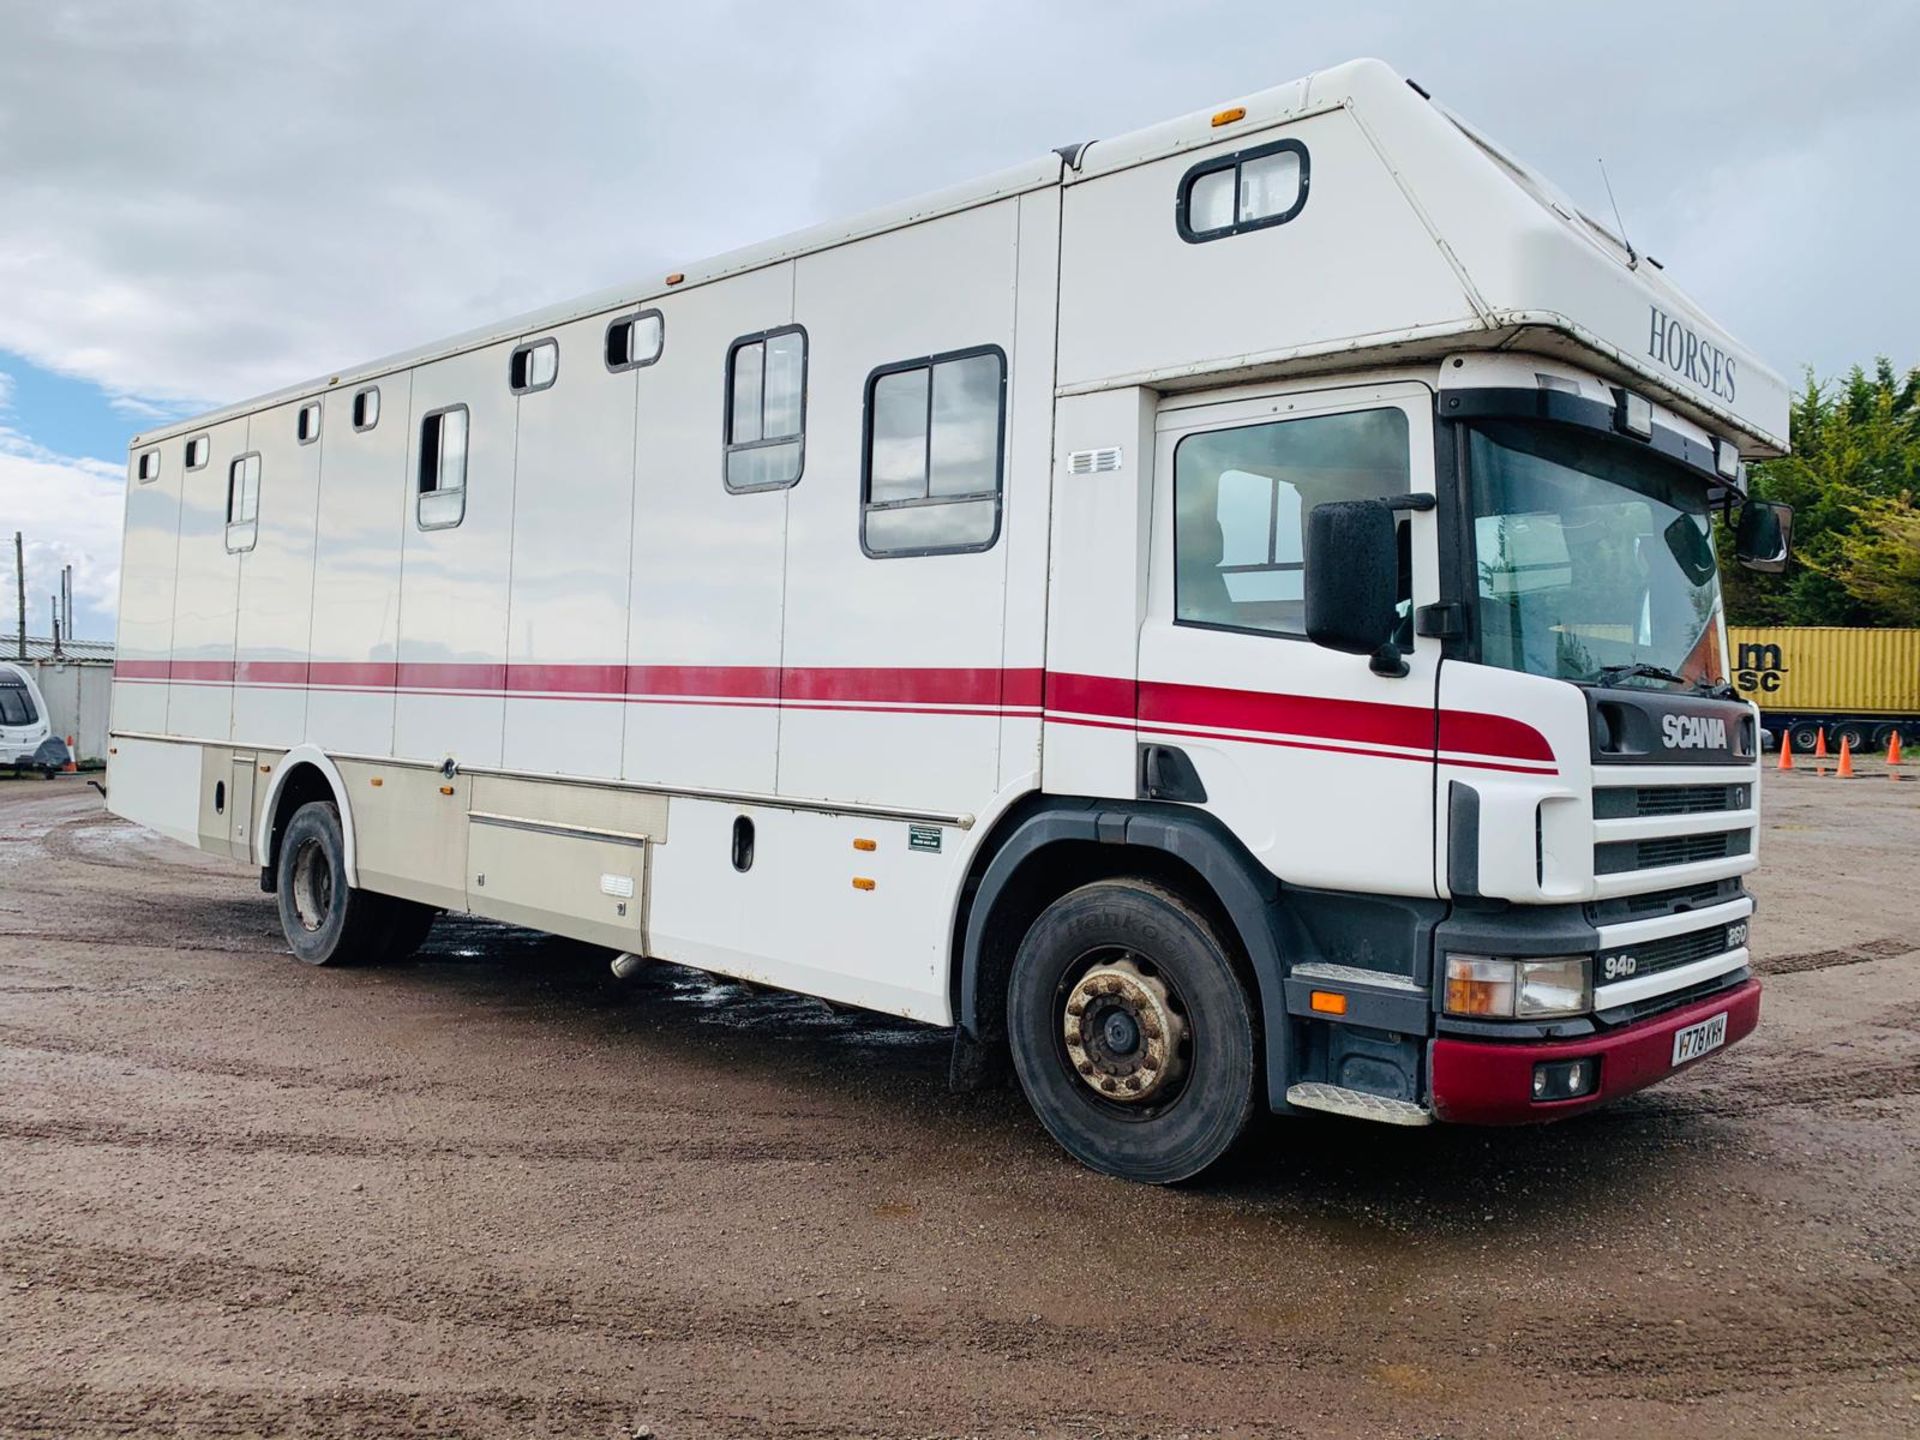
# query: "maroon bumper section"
1476,1082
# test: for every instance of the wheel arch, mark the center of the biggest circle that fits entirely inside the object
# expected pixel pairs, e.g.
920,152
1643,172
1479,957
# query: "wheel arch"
1043,849
304,774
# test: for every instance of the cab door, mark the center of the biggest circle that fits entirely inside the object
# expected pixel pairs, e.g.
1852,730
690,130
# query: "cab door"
1321,766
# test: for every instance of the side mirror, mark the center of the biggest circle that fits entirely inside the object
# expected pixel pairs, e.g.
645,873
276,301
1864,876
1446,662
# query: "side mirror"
1352,581
1764,536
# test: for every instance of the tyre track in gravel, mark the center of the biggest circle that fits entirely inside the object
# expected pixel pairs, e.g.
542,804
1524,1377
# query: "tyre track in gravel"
806,1144
1891,947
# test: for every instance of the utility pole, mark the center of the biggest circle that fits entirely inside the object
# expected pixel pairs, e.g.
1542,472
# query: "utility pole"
20,576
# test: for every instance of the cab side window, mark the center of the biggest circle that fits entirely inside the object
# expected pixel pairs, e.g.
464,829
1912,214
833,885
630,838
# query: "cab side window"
1241,498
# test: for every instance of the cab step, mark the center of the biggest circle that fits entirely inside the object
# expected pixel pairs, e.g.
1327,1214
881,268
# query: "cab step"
1360,1104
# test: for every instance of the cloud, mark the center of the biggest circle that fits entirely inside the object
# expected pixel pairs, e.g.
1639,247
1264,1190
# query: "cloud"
202,201
69,511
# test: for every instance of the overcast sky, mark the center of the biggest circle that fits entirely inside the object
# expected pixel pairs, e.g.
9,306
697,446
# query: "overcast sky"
201,201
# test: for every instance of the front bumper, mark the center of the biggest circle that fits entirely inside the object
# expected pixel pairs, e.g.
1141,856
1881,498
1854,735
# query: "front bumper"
1478,1082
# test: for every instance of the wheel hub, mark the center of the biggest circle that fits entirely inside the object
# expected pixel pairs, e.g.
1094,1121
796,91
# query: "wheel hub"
1123,1037
312,886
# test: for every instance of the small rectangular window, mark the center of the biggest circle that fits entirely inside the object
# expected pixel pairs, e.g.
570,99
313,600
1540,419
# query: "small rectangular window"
443,469
243,502
198,450
533,367
635,340
147,467
306,424
1250,190
766,413
366,408
933,448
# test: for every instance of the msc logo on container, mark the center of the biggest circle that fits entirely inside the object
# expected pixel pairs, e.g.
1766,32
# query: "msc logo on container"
1759,667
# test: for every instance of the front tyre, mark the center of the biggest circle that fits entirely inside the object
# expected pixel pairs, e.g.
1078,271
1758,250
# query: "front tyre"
326,920
1132,1033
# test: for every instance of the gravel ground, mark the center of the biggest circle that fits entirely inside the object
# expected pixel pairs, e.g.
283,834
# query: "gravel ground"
496,1192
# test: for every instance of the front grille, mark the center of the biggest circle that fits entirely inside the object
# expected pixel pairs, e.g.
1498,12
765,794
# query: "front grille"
1640,1009
1663,902
1629,802
1655,957
1616,857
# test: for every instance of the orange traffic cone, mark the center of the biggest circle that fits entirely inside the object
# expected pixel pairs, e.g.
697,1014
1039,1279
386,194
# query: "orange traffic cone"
1893,748
70,768
1786,750
1845,770
1820,743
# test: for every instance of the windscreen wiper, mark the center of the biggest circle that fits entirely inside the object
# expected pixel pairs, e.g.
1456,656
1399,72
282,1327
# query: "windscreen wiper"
1610,675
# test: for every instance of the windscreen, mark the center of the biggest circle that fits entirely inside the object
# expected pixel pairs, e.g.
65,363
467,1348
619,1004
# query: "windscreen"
1590,557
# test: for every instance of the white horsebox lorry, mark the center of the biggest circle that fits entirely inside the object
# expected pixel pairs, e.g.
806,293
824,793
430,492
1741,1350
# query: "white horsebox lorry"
1224,617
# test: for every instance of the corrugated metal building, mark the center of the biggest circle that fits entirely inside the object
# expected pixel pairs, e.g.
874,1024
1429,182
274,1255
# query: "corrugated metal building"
77,682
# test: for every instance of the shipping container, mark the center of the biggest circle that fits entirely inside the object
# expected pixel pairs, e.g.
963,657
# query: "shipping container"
1858,683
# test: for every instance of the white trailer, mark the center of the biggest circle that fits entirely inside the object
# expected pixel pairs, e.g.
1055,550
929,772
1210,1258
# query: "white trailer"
1223,617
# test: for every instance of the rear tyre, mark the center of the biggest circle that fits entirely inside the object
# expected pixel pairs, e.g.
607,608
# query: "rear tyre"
1132,1034
326,920
1804,736
1854,737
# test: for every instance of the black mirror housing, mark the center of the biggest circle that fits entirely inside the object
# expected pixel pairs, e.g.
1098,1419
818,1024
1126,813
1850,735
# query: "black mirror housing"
1352,580
1764,537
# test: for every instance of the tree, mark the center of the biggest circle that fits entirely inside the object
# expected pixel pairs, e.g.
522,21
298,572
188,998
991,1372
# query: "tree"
1856,533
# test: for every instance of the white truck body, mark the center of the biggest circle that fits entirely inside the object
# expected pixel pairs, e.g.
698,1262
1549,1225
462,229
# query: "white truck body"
555,709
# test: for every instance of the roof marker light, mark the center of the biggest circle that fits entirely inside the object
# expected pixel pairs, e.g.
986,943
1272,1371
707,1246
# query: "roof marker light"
1228,116
1633,414
675,278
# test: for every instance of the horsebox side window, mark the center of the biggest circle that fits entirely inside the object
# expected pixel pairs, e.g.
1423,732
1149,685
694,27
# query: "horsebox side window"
635,340
1248,190
932,454
306,425
243,503
765,425
533,366
366,408
1241,498
198,449
147,467
442,479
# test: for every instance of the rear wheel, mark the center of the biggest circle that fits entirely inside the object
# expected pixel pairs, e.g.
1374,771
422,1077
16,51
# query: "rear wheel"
326,920
1132,1034
1804,736
1854,737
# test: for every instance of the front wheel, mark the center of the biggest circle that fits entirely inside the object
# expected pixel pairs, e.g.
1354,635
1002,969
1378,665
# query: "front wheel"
1133,1036
326,920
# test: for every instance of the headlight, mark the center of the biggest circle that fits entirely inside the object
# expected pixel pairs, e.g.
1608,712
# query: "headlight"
1492,988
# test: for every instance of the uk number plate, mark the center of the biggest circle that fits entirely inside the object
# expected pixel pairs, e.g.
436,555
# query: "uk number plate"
1697,1040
